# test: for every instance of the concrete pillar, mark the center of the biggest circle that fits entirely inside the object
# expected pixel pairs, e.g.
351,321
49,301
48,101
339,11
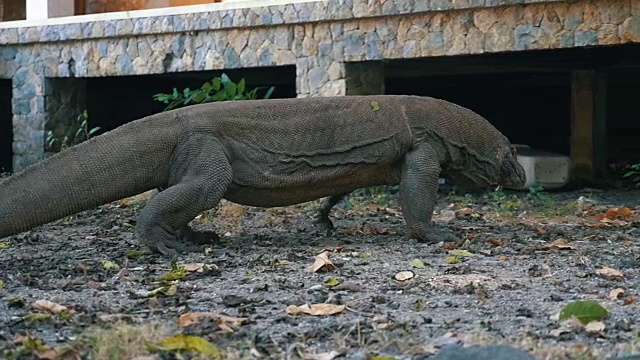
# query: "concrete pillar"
37,9
29,116
588,125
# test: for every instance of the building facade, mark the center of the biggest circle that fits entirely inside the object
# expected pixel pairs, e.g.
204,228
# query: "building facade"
338,47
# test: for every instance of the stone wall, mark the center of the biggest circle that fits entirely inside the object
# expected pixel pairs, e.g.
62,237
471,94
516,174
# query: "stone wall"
322,39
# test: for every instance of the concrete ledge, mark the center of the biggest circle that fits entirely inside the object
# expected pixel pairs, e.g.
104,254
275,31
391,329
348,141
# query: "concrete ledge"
236,14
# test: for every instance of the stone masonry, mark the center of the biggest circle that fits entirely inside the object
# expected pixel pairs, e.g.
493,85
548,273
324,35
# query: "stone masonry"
334,44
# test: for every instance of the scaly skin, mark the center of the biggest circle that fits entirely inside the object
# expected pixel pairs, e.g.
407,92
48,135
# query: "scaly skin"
265,153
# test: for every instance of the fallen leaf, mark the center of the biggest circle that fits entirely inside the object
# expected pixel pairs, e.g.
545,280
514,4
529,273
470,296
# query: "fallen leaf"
331,282
375,105
404,275
194,317
594,327
190,343
3,245
315,309
48,306
461,252
452,259
584,310
496,242
465,211
616,294
449,245
109,265
558,244
418,264
321,261
567,326
446,216
610,273
197,267
630,300
614,213
503,258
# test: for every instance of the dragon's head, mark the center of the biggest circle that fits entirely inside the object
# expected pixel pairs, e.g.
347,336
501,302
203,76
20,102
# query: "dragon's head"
499,167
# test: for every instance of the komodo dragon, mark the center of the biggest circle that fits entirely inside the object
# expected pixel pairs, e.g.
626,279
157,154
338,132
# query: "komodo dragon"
265,153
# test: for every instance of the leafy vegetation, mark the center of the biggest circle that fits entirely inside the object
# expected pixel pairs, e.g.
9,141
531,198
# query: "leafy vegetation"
217,89
633,172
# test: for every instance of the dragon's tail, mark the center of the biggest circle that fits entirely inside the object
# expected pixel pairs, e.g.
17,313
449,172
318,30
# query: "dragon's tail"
123,162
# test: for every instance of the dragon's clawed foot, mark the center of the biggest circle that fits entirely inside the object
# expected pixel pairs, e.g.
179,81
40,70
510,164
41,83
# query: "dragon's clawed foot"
431,236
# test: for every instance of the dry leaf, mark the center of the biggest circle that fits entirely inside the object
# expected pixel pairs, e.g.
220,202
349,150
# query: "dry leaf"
464,211
614,213
315,309
322,261
496,242
449,245
568,326
446,216
610,273
191,343
618,293
194,317
48,306
558,244
594,326
404,275
630,300
197,267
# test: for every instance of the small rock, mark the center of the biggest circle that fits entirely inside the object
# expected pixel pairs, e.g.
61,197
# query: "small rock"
445,341
491,352
358,355
234,300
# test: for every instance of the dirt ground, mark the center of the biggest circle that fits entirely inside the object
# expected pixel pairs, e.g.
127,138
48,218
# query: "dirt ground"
83,288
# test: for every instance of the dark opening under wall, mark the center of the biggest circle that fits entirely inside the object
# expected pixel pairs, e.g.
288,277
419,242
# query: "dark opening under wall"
528,108
6,126
113,101
527,95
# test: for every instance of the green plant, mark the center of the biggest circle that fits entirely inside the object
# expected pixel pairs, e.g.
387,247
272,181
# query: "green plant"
537,193
83,133
218,89
633,171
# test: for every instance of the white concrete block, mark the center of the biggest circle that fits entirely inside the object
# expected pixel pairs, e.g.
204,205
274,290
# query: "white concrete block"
543,168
